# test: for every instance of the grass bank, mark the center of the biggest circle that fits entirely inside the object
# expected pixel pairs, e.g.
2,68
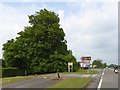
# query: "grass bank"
72,83
82,71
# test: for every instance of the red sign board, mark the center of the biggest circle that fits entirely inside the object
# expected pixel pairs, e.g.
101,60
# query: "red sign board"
86,58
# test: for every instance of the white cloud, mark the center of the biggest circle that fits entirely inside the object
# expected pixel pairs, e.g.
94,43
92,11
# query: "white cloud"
93,31
14,19
59,1
61,14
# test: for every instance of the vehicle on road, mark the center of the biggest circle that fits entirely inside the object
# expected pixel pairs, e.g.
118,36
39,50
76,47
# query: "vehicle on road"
116,70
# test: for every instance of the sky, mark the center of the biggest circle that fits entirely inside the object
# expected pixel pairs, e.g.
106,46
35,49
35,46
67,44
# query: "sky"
91,27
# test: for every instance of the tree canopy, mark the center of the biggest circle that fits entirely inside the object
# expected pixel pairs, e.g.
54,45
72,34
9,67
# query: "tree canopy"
99,63
39,46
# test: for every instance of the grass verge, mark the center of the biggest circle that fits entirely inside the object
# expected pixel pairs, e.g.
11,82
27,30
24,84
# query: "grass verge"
82,72
72,83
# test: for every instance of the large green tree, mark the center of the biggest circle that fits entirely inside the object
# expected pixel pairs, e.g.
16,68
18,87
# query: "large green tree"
34,49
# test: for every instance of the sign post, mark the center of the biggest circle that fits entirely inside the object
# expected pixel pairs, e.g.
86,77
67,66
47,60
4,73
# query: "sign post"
70,66
85,62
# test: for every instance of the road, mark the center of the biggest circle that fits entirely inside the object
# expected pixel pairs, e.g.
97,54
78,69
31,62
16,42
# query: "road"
106,79
94,84
109,79
32,83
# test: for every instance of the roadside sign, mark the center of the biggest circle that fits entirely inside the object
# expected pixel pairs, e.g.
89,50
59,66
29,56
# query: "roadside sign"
86,58
70,66
70,63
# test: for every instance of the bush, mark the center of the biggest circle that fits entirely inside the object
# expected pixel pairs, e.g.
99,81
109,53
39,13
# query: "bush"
11,72
76,66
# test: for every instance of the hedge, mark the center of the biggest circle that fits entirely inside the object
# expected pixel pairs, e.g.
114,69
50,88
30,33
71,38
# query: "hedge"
11,72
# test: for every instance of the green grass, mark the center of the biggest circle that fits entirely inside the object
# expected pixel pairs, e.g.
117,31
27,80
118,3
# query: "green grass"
8,80
82,72
72,83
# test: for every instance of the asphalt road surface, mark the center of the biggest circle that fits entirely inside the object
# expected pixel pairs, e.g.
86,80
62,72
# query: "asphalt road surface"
105,80
32,83
109,79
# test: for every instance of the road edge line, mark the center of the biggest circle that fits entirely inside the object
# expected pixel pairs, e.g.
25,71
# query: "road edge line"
101,79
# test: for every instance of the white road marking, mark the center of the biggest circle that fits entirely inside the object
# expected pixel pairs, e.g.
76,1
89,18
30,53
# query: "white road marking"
101,79
103,73
99,86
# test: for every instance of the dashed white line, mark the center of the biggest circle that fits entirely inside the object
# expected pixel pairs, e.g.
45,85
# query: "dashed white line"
103,73
99,86
101,79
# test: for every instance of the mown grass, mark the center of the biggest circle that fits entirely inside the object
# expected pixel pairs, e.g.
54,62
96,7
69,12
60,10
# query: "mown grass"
8,80
72,83
82,71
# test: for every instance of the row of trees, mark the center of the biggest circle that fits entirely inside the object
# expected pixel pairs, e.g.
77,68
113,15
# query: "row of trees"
99,63
40,47
113,65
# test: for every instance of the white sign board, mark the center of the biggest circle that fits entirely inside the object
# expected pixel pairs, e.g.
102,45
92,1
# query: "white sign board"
70,63
70,66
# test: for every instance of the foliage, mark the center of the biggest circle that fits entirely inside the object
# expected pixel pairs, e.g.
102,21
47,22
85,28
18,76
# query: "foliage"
71,58
34,49
104,65
99,63
112,65
11,72
3,63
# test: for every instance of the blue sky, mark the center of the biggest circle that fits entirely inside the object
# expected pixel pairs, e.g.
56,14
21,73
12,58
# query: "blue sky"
90,27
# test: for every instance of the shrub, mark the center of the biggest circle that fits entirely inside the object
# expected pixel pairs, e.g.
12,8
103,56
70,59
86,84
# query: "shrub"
11,72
